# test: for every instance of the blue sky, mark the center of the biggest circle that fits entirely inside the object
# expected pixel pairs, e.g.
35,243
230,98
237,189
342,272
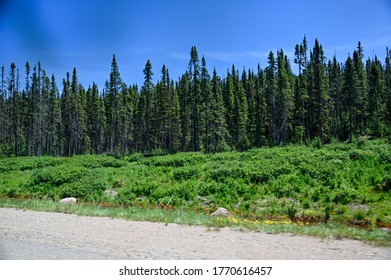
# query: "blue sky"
85,34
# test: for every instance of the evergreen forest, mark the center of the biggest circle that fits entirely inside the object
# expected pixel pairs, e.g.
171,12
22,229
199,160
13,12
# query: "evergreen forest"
325,101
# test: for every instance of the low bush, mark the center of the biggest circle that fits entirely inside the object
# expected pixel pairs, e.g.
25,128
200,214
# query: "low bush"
315,177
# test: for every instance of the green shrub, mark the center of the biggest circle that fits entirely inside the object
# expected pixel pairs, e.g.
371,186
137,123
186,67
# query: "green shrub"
185,173
386,186
337,174
56,176
305,203
125,196
292,210
317,143
344,196
359,215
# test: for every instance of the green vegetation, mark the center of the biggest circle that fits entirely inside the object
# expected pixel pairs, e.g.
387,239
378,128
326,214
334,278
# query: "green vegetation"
344,186
375,237
326,101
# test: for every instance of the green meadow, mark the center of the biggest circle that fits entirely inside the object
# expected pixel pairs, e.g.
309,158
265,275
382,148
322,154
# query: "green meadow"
336,186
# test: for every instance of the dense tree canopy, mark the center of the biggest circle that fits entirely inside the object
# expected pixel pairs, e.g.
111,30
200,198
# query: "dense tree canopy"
326,100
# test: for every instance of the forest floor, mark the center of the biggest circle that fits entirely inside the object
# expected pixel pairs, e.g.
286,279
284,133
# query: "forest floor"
26,234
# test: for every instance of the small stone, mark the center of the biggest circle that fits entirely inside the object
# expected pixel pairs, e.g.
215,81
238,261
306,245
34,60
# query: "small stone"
221,212
357,206
111,193
71,200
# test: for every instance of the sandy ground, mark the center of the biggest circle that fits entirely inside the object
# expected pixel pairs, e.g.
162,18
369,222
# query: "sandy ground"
41,235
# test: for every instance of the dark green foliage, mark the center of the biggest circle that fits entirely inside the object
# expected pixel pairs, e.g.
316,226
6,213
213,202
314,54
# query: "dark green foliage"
386,186
56,176
326,101
291,181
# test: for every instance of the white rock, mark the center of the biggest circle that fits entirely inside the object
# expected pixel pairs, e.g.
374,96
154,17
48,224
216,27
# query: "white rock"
221,212
68,200
111,193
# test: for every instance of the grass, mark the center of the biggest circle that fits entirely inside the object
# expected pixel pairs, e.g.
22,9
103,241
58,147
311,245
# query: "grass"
336,190
375,237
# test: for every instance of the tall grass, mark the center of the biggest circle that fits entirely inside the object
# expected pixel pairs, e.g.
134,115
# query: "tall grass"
375,237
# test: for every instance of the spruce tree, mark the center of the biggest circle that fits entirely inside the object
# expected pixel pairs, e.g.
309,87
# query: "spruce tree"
145,108
205,107
270,95
240,114
194,74
375,94
300,117
335,82
350,95
216,124
112,106
249,82
2,111
361,90
387,77
53,119
94,119
184,97
126,119
318,94
260,110
283,98
228,99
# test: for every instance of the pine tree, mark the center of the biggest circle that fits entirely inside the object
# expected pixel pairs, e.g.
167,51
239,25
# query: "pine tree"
387,77
168,122
240,114
145,108
249,82
228,100
184,97
27,111
112,106
318,94
94,119
14,110
2,111
375,93
66,116
270,96
260,110
283,98
197,112
205,107
126,119
335,81
216,124
162,110
53,120
77,114
361,88
194,72
300,94
350,95
38,110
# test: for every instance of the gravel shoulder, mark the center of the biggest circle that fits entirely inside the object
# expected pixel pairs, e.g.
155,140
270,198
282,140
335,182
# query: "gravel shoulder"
42,235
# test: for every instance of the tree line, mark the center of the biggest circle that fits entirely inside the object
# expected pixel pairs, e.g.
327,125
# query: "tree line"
325,101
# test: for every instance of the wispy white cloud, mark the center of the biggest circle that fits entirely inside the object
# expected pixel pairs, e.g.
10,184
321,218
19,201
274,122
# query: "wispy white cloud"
370,44
224,56
179,55
235,56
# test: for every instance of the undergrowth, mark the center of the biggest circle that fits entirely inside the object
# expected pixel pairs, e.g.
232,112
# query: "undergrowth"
341,183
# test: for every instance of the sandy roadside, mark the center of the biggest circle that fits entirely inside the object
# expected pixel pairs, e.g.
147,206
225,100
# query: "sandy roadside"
43,235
